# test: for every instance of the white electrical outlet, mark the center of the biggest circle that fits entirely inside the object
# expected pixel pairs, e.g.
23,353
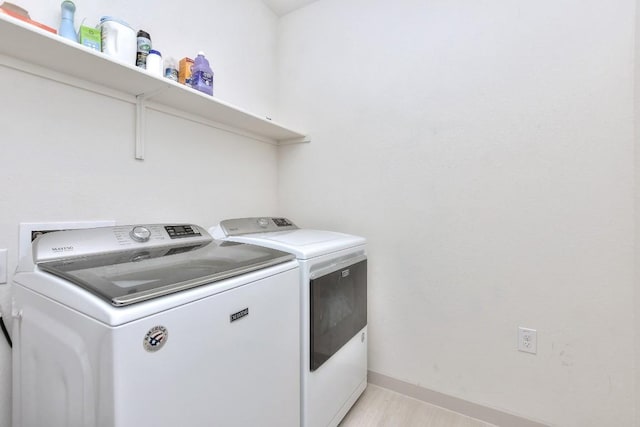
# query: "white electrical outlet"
527,340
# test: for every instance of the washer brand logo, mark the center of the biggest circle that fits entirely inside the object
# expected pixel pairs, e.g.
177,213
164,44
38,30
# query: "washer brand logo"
62,249
240,314
155,338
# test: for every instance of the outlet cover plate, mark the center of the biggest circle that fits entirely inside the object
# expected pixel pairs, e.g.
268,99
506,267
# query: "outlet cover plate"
527,340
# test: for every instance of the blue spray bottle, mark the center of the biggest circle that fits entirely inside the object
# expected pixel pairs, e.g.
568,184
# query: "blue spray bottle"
67,30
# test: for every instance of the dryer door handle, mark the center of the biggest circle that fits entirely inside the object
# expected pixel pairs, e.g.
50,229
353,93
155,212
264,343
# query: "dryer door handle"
336,266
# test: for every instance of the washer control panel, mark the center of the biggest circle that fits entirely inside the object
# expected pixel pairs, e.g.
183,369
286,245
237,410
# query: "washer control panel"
182,231
90,241
238,226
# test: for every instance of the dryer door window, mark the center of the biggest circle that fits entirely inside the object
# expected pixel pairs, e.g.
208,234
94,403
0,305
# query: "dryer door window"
338,310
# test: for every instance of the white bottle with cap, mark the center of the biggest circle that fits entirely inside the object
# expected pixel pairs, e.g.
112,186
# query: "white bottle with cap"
154,63
118,39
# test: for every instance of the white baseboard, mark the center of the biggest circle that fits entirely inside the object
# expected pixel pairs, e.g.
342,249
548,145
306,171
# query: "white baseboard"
483,413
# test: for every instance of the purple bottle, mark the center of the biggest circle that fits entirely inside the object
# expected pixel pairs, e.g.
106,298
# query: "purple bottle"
201,75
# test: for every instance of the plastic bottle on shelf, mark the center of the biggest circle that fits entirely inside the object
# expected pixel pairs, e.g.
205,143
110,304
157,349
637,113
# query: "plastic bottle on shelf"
171,69
66,29
154,62
118,39
144,46
202,75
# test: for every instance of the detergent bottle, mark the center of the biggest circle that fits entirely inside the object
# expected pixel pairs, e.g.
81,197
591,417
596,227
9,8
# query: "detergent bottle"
66,29
202,75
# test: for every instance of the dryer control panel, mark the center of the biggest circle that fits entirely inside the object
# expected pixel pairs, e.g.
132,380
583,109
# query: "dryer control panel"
238,226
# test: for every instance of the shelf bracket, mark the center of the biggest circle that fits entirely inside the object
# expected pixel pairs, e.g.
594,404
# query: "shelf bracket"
141,112
291,141
141,106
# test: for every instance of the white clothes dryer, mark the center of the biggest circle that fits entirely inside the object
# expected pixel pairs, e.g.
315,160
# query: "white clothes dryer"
155,325
333,291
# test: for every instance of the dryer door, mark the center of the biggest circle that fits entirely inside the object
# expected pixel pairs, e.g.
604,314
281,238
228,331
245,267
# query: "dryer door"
338,307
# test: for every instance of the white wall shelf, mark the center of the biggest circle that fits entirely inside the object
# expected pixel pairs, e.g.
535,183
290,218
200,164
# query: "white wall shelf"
36,51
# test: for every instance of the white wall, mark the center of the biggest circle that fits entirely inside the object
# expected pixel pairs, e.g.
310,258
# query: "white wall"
486,151
68,154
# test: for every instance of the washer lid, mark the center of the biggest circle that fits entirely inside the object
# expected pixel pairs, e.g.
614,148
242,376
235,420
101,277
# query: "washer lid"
303,243
132,276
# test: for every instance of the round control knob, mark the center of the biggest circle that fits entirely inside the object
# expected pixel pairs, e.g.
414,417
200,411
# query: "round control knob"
140,234
263,222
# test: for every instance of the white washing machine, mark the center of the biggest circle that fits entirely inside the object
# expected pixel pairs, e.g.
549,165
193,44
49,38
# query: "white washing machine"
333,277
155,325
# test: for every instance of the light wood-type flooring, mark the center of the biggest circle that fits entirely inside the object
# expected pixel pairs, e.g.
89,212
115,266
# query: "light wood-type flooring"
379,407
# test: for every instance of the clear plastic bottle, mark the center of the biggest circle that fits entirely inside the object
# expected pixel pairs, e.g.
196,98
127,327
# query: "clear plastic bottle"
171,69
202,75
